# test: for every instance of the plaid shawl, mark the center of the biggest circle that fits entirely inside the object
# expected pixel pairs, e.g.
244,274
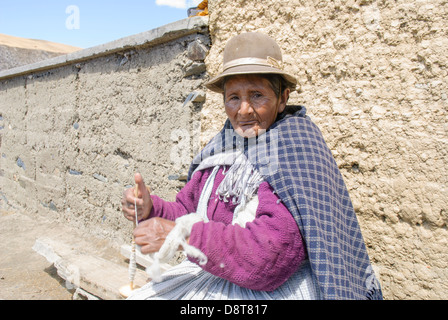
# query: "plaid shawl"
295,160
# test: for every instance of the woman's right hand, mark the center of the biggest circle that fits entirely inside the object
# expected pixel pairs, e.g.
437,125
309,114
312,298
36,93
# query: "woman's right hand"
143,201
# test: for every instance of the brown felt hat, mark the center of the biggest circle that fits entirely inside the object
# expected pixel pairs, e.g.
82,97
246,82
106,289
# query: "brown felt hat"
251,53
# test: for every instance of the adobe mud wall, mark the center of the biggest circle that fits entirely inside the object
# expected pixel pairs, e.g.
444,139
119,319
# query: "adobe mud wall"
75,129
374,77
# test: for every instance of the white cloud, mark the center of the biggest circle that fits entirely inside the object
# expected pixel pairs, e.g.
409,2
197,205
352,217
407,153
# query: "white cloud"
180,4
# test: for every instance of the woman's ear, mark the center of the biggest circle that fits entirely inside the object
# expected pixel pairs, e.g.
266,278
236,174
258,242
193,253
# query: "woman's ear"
284,100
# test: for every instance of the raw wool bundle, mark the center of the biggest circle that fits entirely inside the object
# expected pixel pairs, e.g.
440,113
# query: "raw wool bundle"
176,238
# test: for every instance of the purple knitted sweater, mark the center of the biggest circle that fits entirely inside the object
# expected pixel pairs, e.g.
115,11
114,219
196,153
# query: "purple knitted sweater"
261,256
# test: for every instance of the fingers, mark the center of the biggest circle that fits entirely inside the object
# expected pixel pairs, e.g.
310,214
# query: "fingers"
141,185
151,234
138,198
128,203
128,209
130,198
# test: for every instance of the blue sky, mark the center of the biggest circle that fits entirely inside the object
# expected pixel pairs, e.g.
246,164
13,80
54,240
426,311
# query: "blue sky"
87,23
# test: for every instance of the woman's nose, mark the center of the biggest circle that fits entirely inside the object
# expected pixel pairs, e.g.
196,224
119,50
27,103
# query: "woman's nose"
245,108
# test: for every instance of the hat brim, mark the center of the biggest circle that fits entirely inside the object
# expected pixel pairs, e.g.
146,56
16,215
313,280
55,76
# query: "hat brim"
215,84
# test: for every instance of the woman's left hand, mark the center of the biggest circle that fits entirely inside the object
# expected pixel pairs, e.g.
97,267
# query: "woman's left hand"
151,234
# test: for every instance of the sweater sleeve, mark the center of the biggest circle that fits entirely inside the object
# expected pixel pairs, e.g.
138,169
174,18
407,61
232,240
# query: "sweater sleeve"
261,256
186,199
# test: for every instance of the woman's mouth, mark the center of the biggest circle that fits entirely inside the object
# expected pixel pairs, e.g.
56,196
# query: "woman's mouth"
247,123
247,129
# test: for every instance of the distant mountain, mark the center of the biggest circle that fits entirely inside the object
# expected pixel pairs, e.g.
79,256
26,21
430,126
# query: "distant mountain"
15,52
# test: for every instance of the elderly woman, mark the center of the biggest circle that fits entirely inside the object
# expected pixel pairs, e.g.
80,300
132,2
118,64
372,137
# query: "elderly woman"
265,213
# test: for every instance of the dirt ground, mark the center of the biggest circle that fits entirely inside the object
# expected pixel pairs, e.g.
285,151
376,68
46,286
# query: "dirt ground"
25,274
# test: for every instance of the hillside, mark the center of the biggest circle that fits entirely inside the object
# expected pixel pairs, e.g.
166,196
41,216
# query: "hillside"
15,51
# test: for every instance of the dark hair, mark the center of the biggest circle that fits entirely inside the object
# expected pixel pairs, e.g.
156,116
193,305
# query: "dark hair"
277,82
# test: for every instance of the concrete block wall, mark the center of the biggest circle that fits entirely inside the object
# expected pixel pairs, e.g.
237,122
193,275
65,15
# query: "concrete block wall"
76,128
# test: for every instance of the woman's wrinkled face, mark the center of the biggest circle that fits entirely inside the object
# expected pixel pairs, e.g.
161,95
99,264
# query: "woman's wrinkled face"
251,104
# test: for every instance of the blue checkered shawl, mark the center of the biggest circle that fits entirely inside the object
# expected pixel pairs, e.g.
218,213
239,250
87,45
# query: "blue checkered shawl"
308,181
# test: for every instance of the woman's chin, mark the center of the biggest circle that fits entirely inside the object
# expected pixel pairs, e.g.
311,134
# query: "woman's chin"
250,132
